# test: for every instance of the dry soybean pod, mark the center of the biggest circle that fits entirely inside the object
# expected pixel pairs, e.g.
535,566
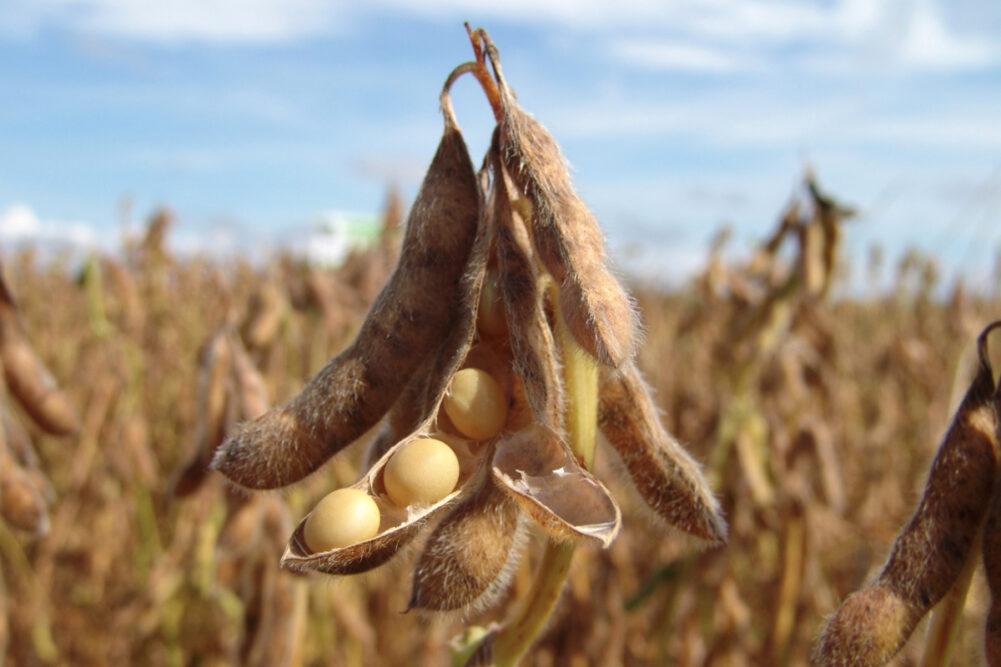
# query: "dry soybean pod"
667,478
597,310
992,568
470,556
410,318
929,554
532,343
27,378
214,407
423,399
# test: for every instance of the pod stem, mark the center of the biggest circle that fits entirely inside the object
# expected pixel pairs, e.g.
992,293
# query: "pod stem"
580,375
482,74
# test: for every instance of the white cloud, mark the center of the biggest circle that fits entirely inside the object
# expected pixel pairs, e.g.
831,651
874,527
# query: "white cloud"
699,35
676,56
179,20
927,42
19,223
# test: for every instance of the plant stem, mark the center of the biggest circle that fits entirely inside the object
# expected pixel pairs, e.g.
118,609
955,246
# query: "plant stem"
580,375
482,74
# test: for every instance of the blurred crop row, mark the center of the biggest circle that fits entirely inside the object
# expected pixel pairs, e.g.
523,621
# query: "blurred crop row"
815,418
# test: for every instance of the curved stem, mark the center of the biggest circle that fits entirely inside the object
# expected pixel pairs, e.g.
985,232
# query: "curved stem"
515,638
482,74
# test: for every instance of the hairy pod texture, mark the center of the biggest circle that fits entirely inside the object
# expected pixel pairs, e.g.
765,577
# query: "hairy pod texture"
664,474
413,312
930,552
470,555
532,344
992,568
464,347
596,308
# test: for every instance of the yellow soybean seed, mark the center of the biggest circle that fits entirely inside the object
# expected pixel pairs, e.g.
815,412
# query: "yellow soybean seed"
425,471
476,404
490,317
344,517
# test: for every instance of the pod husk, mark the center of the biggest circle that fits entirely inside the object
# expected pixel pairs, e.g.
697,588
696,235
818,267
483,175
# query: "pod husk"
992,570
215,413
931,551
26,376
423,398
413,314
596,308
22,505
663,472
537,467
371,553
466,562
249,388
532,343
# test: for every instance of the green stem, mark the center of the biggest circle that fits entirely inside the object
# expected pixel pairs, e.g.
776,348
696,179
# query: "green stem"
515,638
580,376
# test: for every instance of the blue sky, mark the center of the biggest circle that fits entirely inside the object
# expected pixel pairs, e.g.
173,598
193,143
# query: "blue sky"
251,117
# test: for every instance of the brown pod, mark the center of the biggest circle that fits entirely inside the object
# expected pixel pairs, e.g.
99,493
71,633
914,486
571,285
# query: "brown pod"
596,308
409,320
398,526
468,560
27,378
264,317
249,388
538,469
868,629
992,569
214,410
664,474
532,344
21,503
932,549
18,441
131,311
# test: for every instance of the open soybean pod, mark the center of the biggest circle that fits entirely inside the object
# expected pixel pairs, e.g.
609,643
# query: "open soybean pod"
399,525
411,317
928,556
664,474
27,378
596,308
535,465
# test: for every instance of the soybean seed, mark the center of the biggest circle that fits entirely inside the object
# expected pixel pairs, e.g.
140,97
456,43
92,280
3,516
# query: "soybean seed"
343,517
476,404
423,472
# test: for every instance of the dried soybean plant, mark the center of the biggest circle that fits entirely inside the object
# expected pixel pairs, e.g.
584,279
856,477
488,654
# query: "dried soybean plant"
24,489
934,557
498,348
231,389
